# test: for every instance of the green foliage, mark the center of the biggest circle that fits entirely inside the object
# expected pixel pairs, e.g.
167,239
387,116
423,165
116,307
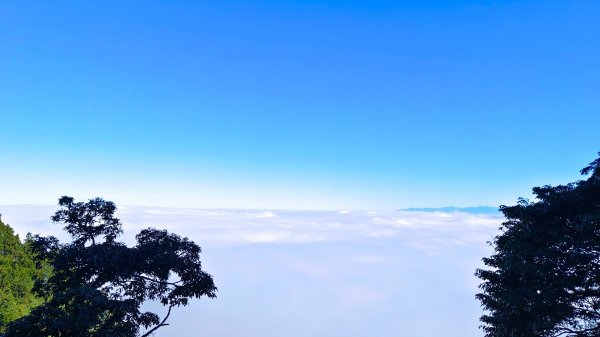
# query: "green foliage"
17,273
544,276
99,284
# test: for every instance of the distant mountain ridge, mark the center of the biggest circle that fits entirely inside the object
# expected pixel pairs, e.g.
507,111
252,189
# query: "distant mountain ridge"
472,210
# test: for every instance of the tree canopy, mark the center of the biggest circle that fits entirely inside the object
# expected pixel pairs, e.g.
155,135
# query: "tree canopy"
544,276
99,284
17,273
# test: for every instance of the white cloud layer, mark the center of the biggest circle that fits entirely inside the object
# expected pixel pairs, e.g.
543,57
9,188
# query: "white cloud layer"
320,273
427,230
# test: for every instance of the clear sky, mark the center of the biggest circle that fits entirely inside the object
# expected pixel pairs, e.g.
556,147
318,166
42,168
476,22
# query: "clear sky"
296,104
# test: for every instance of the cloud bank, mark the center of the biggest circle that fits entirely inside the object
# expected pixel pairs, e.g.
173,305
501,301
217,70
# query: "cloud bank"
320,273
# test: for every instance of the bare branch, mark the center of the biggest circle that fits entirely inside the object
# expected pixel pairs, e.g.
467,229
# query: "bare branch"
149,332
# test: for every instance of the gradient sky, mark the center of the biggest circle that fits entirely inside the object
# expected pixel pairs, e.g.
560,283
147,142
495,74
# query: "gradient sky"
296,104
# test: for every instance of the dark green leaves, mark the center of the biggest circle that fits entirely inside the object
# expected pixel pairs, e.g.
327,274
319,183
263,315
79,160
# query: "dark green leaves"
18,272
86,221
99,284
544,276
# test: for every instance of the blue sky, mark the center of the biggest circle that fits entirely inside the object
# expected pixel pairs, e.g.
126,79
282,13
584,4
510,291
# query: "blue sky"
296,104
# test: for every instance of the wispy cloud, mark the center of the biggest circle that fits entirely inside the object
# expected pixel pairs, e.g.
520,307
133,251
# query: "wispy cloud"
255,226
245,227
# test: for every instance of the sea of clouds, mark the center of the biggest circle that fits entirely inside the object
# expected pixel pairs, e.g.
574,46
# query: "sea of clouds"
320,273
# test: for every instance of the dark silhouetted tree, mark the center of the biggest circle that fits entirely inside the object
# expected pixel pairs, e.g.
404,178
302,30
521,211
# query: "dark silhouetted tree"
544,276
99,284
